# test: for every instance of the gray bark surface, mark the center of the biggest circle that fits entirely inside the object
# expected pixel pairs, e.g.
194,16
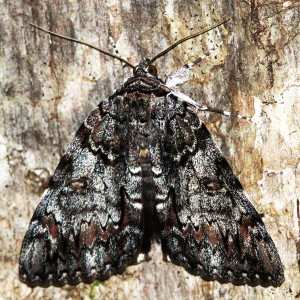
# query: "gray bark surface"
48,86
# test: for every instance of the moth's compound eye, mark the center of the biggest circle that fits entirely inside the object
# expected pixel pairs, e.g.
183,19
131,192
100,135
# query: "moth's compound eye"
152,70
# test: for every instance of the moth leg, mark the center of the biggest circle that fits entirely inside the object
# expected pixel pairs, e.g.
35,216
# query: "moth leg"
183,74
143,257
166,257
185,98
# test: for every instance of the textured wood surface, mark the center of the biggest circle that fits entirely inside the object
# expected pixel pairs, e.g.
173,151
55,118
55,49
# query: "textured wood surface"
48,86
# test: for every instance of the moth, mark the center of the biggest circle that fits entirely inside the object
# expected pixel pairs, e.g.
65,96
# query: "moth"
144,167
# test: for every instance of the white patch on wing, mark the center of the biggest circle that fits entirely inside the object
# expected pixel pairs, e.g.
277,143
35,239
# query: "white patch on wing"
161,205
156,171
135,170
137,205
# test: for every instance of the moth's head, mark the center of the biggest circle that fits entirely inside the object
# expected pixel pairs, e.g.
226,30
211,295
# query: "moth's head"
145,69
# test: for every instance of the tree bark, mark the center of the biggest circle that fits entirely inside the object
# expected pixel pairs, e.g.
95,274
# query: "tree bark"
48,87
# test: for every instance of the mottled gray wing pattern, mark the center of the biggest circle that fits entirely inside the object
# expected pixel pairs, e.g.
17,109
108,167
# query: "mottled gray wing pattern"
207,224
86,226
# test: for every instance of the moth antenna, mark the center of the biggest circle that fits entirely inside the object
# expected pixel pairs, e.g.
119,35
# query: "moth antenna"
83,43
185,39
